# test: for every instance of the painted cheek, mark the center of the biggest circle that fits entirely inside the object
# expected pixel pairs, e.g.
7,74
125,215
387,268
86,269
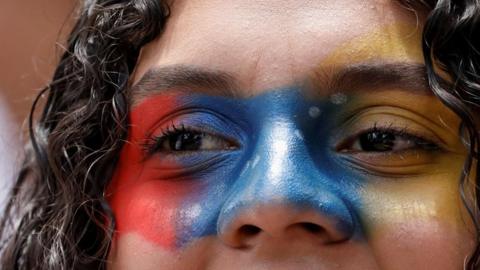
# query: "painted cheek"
421,215
141,202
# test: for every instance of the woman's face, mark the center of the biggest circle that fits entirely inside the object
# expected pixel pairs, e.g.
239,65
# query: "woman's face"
288,135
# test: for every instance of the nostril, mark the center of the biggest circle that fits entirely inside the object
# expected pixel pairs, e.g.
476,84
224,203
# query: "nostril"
249,230
246,234
260,223
311,227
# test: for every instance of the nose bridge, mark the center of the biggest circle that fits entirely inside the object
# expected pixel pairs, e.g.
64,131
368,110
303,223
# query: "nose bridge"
274,169
276,156
281,172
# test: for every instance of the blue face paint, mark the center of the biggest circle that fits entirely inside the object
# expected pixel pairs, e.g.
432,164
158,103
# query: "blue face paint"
285,156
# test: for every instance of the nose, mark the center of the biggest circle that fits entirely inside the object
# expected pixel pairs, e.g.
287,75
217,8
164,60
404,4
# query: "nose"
286,222
282,195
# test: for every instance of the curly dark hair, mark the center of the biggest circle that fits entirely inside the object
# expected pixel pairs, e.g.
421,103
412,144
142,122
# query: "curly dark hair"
58,217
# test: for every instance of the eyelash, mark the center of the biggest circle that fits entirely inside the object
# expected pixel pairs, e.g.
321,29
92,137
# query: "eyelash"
156,142
405,133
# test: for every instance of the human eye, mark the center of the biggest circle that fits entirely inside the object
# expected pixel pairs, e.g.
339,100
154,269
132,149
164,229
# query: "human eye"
180,140
394,147
387,140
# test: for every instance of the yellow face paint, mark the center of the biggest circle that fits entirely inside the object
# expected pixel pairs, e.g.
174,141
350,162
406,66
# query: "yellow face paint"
428,201
397,42
395,202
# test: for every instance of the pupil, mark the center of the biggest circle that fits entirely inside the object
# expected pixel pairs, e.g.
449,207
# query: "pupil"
377,141
186,141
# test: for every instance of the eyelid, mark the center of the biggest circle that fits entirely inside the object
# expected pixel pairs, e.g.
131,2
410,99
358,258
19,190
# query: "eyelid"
153,141
192,162
200,119
394,117
404,132
440,127
391,164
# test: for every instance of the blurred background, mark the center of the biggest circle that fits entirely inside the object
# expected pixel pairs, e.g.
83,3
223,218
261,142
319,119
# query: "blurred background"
31,34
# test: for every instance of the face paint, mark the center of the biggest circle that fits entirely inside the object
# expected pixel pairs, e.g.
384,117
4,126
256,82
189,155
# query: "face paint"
134,211
285,154
283,157
398,42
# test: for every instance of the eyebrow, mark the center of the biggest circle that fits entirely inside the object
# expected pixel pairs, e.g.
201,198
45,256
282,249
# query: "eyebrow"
410,77
184,77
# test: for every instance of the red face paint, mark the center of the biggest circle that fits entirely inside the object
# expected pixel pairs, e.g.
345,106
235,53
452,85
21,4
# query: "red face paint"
141,201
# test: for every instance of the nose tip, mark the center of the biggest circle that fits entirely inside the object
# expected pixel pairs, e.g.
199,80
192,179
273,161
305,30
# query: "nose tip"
286,222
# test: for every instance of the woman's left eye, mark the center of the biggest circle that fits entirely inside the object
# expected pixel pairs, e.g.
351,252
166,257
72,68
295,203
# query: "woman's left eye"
186,140
377,140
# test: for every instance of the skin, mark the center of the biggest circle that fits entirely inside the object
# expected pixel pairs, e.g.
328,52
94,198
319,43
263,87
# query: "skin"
282,183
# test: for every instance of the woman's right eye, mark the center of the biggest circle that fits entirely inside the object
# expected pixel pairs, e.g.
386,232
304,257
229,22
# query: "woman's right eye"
187,140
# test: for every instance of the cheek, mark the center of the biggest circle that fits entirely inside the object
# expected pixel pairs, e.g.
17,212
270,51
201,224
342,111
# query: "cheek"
165,212
422,244
417,222
131,251
140,201
150,209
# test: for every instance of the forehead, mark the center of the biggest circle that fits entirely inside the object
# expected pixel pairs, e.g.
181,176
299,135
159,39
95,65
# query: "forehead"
269,44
